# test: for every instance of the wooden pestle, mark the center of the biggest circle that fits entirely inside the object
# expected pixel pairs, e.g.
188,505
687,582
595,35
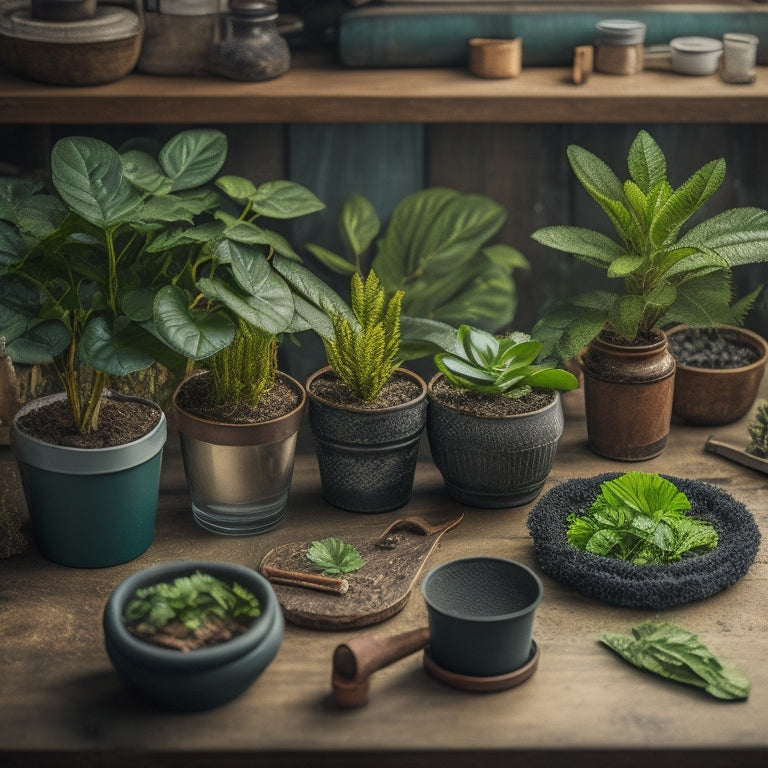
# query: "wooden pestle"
359,657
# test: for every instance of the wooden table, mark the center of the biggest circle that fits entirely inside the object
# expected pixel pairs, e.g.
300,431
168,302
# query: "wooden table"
61,703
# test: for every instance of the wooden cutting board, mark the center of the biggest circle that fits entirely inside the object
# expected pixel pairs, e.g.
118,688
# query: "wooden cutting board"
393,560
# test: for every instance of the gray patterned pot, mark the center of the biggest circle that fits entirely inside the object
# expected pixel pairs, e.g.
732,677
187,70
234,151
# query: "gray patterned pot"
493,462
367,457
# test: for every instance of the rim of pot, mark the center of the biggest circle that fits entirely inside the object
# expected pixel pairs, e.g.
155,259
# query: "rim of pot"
70,460
480,618
200,658
411,374
224,433
436,399
754,340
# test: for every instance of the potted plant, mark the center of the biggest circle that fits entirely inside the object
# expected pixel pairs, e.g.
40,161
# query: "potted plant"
366,412
80,271
190,635
718,373
667,276
495,417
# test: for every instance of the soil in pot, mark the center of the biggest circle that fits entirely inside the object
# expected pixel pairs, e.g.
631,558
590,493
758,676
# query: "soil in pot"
195,398
711,348
398,390
120,422
490,406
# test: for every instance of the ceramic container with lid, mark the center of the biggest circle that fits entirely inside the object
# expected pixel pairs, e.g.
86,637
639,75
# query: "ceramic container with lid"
86,51
620,46
695,55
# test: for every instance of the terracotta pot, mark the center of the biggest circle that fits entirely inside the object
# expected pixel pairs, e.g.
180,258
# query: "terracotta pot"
367,457
493,462
628,392
719,395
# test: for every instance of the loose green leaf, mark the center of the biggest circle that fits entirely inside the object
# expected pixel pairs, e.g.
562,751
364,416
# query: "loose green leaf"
640,517
334,557
672,652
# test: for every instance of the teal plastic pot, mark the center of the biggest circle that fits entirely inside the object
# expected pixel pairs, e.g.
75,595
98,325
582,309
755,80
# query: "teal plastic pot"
200,679
481,612
90,507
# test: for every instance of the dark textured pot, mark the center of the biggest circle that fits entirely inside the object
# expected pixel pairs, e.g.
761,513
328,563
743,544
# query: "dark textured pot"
90,507
481,612
493,462
200,679
367,457
719,395
239,475
628,394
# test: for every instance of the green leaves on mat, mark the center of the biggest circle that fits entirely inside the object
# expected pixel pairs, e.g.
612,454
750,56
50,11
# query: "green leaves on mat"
640,517
675,653
334,557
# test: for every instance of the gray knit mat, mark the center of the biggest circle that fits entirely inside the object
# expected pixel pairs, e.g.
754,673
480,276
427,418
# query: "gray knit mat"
618,582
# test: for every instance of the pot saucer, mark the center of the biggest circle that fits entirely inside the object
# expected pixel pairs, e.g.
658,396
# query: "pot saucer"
483,684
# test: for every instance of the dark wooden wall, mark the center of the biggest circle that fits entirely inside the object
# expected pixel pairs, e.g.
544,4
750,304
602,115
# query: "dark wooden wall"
522,166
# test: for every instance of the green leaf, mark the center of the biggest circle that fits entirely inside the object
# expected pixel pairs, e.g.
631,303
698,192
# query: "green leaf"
358,224
116,350
193,157
333,261
592,247
334,557
144,172
88,174
285,200
673,652
236,187
196,334
646,162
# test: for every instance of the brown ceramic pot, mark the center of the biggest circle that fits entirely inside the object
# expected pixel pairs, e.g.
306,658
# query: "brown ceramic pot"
628,393
719,395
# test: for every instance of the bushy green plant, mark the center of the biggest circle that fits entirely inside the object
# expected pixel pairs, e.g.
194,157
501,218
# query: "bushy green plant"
364,348
640,517
667,274
141,257
433,248
190,601
481,362
758,432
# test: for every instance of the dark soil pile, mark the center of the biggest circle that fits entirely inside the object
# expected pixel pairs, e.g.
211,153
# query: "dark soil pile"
400,389
121,421
176,636
710,348
492,406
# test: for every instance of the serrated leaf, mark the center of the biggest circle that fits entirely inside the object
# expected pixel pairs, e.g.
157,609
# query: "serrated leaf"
334,557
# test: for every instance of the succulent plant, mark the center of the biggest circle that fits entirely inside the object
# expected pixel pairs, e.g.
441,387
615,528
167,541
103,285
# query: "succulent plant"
481,362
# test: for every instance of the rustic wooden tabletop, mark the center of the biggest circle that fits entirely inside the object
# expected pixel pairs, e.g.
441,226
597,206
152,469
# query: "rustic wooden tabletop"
62,704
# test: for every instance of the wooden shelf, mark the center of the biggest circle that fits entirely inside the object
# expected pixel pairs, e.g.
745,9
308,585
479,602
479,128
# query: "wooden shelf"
316,90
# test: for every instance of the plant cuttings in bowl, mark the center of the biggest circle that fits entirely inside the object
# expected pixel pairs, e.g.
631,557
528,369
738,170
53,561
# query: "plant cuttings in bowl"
191,612
641,517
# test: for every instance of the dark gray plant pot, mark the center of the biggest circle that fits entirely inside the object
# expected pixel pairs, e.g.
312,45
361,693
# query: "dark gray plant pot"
481,612
367,458
493,462
200,679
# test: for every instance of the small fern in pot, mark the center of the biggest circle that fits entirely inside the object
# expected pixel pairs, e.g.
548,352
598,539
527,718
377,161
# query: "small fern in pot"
365,411
495,417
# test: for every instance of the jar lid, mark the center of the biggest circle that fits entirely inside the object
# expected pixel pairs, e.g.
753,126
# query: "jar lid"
263,10
111,22
621,31
696,44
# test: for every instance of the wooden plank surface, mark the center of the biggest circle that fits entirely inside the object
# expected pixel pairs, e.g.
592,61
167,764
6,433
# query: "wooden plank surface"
317,89
61,703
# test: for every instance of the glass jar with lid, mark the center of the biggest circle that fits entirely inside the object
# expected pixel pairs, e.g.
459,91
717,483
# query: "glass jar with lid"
251,46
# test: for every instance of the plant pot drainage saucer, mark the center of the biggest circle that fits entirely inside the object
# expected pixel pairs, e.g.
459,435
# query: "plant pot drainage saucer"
480,684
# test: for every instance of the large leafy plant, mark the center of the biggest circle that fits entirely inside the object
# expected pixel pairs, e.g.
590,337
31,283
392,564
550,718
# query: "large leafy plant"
640,517
666,274
435,248
140,257
481,362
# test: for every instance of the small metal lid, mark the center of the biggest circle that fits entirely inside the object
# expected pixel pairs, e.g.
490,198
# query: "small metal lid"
621,31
